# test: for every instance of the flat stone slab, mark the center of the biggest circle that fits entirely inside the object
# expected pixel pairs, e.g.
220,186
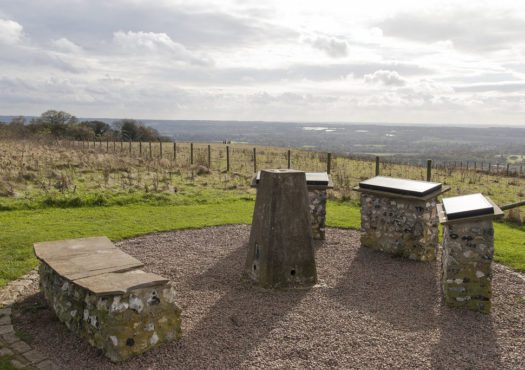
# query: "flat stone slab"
81,258
120,283
401,186
314,180
475,208
467,206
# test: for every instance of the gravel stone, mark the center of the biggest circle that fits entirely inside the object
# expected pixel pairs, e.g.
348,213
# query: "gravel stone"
369,310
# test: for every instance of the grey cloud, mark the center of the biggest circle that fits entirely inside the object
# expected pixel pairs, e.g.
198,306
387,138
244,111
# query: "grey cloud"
35,58
504,87
87,22
332,46
140,43
472,29
312,72
385,77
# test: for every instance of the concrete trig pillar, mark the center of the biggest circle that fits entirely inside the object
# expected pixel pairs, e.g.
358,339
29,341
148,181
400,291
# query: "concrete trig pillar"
280,250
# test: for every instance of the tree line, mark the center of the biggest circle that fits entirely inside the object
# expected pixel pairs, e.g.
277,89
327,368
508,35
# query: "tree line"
62,125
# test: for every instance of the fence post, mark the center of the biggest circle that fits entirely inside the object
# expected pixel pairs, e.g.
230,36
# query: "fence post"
160,143
191,153
429,169
130,147
209,156
121,145
254,160
508,167
227,158
174,151
140,148
521,168
377,165
289,159
150,151
328,163
107,146
490,165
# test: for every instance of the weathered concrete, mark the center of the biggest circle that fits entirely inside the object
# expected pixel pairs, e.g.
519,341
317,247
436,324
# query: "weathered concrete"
280,250
123,312
317,196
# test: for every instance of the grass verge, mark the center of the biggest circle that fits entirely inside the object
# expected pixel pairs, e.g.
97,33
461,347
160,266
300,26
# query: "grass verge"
20,229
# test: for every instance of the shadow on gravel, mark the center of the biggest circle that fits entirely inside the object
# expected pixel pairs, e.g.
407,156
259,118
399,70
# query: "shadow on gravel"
241,319
395,290
467,341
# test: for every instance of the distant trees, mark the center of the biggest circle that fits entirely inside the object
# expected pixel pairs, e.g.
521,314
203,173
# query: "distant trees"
63,125
133,130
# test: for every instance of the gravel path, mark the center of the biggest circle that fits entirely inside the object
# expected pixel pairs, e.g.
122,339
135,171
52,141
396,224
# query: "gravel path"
369,311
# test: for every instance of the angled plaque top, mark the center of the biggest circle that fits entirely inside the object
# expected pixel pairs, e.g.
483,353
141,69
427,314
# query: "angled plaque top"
400,186
467,206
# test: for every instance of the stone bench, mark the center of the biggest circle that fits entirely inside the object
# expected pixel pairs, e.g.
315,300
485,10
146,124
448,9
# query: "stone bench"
99,293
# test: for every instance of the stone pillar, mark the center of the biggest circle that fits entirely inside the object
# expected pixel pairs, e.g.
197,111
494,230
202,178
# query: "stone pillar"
399,225
317,200
280,250
468,248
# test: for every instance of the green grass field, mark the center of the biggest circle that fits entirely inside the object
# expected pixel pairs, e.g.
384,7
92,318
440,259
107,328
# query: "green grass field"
20,229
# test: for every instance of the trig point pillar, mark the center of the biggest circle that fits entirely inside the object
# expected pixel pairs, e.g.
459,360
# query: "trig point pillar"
280,250
317,183
399,216
468,248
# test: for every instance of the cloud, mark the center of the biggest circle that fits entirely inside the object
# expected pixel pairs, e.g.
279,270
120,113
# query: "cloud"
65,45
332,46
11,32
155,43
472,29
207,25
385,77
504,86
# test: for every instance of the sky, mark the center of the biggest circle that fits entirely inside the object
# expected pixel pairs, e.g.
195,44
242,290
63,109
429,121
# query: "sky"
440,62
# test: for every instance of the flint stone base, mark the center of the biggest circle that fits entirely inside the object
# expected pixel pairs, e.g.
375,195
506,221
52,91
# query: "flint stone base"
317,205
121,325
468,248
402,227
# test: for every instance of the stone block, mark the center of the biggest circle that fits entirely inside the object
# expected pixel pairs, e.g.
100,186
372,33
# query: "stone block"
280,249
5,352
96,290
468,248
46,365
6,329
10,338
402,226
317,205
121,322
20,347
34,356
